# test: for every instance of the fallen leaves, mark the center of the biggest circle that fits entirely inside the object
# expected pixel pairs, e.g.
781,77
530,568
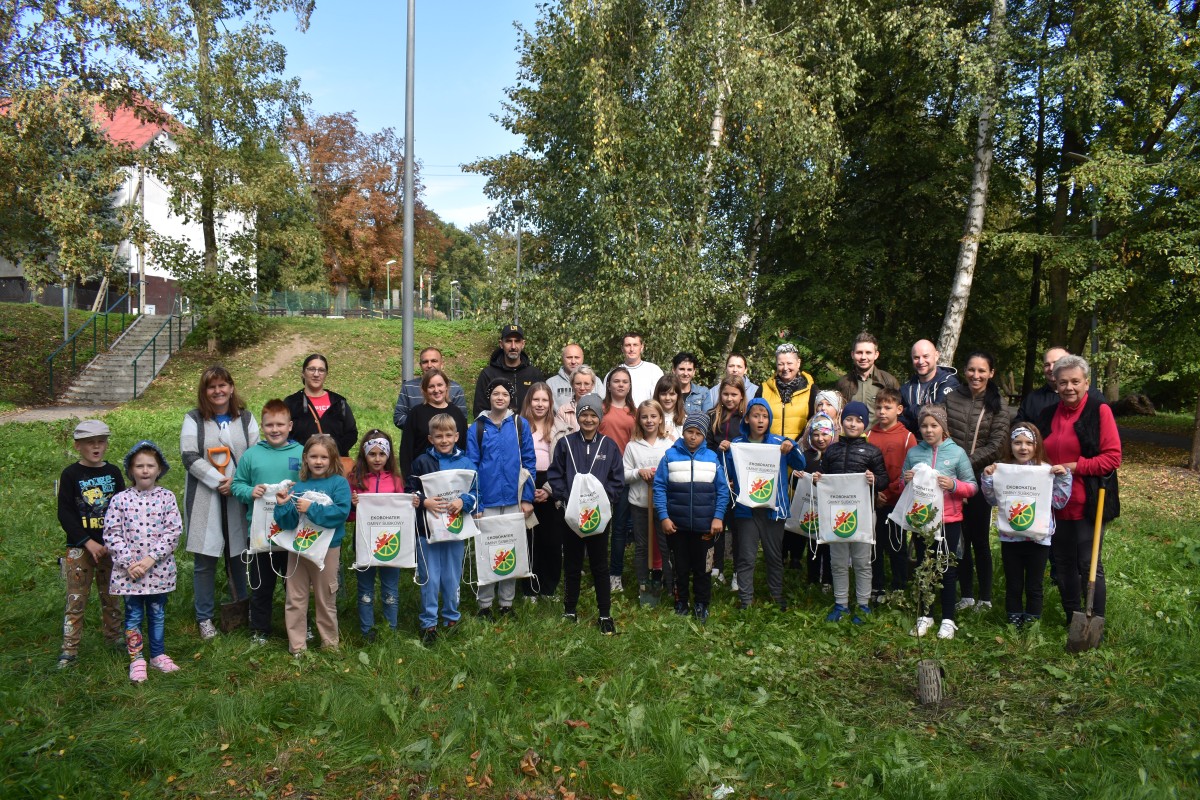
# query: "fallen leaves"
529,763
577,723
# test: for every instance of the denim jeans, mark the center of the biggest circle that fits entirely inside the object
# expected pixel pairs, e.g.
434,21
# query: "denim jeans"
389,590
622,526
152,610
204,583
439,571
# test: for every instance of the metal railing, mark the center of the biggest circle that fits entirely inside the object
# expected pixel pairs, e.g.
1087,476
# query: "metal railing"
175,336
74,339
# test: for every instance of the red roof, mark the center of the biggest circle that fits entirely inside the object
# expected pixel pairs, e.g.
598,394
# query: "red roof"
123,126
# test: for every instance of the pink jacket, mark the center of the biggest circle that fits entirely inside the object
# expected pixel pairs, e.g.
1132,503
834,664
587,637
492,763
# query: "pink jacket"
140,524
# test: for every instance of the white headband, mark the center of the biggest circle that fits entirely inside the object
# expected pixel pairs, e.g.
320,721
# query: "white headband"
1021,430
382,444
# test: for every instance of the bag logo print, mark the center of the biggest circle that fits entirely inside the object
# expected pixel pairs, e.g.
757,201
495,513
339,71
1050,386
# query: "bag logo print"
810,523
305,538
504,560
919,514
387,546
761,489
454,521
1021,515
845,522
589,519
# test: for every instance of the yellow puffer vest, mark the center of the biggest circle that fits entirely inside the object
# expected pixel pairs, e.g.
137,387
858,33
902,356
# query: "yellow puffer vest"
788,420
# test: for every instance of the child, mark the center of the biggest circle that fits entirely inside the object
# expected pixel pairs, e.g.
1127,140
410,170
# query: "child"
894,440
617,424
957,481
852,453
439,564
546,548
320,471
501,445
819,434
141,531
84,491
1025,559
830,402
725,425
276,458
375,473
762,524
587,449
666,392
641,458
690,498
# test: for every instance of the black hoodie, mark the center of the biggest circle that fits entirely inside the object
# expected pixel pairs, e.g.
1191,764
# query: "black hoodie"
522,377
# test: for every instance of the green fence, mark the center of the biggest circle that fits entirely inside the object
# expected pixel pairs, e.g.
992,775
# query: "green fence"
330,304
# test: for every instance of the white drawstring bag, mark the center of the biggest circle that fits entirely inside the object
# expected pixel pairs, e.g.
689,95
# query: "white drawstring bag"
449,484
845,508
921,503
588,509
802,515
307,539
756,467
262,518
501,549
1025,494
385,533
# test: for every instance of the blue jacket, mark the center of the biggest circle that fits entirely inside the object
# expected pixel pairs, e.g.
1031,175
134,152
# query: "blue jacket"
690,488
499,460
600,455
433,461
698,400
794,460
331,516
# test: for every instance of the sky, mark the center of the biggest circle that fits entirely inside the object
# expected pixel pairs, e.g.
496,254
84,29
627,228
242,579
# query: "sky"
352,59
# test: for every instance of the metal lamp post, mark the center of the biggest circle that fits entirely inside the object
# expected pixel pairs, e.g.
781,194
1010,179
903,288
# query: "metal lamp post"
407,305
388,265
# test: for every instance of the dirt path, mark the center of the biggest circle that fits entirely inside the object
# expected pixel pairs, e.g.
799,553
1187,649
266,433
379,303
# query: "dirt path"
55,413
285,355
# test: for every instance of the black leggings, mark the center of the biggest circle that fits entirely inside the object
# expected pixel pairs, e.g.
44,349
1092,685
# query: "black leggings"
1024,568
546,548
596,548
977,549
693,558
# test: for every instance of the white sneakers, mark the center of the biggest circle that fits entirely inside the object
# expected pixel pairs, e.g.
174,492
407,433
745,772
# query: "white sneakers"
922,627
207,630
614,583
733,584
964,604
945,630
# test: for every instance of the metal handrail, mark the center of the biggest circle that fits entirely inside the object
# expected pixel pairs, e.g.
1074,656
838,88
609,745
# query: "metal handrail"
174,342
74,337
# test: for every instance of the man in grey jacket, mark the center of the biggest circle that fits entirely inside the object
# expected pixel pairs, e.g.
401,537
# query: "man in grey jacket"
410,391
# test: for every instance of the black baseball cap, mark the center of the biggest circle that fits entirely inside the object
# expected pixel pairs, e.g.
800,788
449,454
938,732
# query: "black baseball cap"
510,331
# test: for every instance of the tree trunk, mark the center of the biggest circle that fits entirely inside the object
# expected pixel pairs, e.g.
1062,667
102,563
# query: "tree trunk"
716,137
1194,463
204,119
968,251
1032,350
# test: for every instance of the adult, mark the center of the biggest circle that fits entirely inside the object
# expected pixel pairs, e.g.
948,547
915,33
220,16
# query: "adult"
508,363
643,374
1046,395
412,396
694,399
560,383
583,383
315,409
865,379
929,383
789,392
978,418
435,389
215,434
736,366
1081,434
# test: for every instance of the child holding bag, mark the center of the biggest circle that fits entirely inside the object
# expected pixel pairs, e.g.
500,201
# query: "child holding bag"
375,472
1024,558
141,530
320,471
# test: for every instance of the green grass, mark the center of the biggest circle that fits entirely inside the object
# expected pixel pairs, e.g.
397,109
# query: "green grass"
29,333
1164,421
779,705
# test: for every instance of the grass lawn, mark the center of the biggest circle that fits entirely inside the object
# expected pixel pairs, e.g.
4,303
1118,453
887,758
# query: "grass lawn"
774,704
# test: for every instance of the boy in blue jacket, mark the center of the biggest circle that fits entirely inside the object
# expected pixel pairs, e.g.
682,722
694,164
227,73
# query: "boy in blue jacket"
690,497
439,564
762,524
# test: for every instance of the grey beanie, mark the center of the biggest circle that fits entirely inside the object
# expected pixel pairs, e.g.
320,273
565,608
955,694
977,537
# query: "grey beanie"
591,402
938,412
696,419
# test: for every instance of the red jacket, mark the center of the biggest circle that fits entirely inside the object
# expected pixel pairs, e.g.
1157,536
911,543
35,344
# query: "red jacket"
895,444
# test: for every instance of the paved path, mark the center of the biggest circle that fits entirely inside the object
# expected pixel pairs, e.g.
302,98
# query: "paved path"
1160,438
55,413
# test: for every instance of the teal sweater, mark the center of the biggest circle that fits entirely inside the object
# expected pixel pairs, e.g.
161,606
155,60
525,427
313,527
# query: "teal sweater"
331,516
265,463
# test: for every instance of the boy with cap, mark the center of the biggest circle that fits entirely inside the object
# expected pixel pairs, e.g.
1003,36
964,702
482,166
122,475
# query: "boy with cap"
587,449
849,454
691,497
84,490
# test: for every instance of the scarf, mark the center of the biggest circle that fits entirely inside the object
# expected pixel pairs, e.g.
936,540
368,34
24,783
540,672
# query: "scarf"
786,390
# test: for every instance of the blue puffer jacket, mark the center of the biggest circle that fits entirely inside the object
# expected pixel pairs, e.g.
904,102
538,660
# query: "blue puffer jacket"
794,460
433,461
690,488
500,460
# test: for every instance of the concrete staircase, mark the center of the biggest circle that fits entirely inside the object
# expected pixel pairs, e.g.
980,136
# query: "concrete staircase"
109,377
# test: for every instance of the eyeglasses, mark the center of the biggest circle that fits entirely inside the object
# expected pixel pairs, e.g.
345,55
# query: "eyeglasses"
316,370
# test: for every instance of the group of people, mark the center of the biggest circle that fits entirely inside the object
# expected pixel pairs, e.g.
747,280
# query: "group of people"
655,446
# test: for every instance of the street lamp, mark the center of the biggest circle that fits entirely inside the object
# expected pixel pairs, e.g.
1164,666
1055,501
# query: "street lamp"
389,284
453,300
519,207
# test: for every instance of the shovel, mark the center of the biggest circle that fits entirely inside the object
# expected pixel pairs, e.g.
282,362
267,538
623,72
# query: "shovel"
1087,628
648,596
236,613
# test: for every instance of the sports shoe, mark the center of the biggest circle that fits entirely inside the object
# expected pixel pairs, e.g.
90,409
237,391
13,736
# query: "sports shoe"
837,613
308,634
65,661
614,583
258,638
429,636
570,616
164,663
607,626
681,608
733,584
207,630
506,611
827,588
879,597
369,636
983,606
1029,619
947,629
700,612
781,603
859,613
1016,620
965,603
484,613
137,670
533,598
922,627
718,576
